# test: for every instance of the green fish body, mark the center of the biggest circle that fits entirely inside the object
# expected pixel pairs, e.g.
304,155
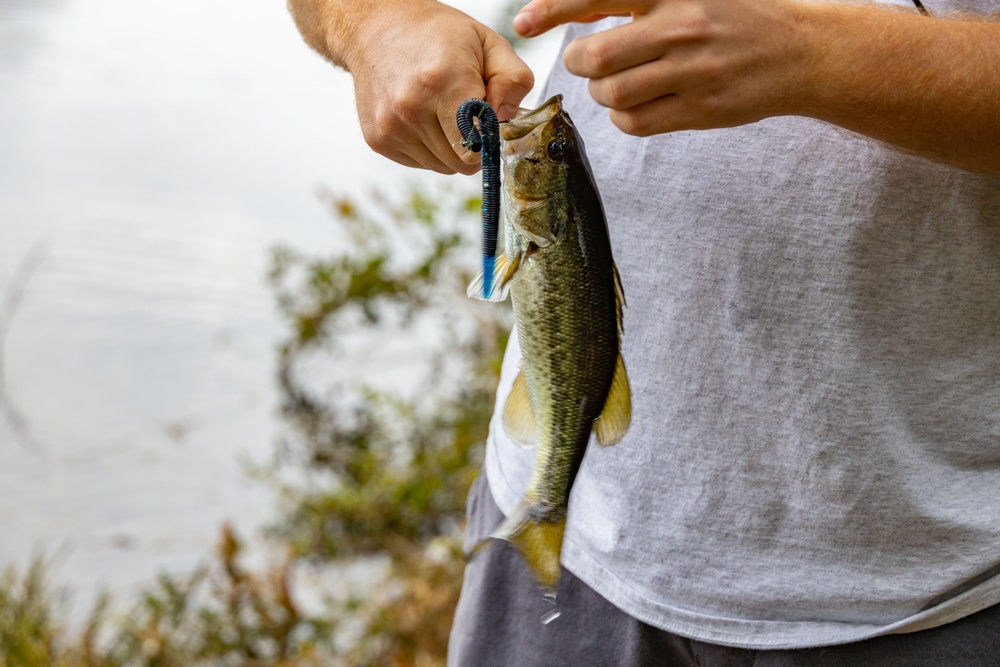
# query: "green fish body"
567,298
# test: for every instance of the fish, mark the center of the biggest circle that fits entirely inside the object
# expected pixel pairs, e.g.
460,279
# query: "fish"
558,270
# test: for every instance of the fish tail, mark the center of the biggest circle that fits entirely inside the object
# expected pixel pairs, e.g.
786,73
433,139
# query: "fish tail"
538,535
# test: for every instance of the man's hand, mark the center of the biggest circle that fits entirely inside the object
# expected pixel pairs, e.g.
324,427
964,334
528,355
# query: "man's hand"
926,85
681,64
414,62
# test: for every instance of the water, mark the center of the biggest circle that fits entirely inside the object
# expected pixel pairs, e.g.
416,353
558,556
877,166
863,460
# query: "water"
151,154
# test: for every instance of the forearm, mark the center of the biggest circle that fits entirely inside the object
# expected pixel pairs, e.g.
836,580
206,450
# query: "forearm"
327,25
926,85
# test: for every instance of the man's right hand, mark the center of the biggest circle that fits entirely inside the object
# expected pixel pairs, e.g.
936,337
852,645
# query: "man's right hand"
414,62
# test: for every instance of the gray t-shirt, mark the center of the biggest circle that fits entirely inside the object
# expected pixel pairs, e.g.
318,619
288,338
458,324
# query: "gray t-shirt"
813,342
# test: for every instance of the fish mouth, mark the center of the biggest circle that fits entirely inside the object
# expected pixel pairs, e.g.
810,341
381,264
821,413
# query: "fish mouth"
520,204
527,120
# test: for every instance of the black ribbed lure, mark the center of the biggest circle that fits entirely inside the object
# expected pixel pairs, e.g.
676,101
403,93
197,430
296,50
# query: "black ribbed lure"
485,138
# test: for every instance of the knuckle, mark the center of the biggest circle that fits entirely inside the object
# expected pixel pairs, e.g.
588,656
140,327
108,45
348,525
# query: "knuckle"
695,24
710,106
407,112
432,78
380,133
711,71
597,56
441,168
542,9
608,92
632,123
524,78
616,94
386,122
376,141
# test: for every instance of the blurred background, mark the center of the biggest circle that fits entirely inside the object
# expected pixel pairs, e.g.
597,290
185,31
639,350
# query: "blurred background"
152,156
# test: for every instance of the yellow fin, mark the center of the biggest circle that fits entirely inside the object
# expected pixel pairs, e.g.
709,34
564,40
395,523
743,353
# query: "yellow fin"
540,542
503,271
616,417
518,416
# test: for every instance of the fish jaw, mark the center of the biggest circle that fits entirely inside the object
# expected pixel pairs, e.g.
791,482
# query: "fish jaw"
534,200
527,120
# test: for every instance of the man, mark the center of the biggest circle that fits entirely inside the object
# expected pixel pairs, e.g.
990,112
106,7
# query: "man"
812,476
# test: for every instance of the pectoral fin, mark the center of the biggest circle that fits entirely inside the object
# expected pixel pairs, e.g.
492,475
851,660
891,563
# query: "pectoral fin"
518,416
616,417
503,271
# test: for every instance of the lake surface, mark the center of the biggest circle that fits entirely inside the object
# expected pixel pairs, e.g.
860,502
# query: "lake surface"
150,156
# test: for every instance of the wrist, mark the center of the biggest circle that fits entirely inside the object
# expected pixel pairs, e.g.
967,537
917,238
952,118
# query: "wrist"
334,28
854,52
345,26
819,33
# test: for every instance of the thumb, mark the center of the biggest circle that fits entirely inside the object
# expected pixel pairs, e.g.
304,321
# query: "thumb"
508,78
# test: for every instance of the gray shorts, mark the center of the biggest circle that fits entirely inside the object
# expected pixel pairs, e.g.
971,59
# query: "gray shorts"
499,622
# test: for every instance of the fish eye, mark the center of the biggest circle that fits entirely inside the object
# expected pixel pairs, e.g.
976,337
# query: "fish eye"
556,149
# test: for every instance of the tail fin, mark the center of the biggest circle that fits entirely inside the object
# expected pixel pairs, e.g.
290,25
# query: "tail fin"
539,541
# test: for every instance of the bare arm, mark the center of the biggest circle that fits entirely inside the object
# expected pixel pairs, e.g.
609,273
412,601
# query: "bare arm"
926,85
413,63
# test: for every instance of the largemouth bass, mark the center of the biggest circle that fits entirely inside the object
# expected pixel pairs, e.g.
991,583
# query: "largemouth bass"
558,269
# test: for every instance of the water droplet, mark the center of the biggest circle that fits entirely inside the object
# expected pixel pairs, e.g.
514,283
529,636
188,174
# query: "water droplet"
551,616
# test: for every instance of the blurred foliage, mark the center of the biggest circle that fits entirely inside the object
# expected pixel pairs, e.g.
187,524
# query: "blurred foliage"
395,465
221,615
369,473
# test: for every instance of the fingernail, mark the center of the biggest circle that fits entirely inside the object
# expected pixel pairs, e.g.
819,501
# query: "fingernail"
524,22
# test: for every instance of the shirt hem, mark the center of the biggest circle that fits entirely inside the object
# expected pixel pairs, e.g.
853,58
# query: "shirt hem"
735,632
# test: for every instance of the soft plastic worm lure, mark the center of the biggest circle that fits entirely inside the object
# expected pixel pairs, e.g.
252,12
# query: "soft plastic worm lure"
485,138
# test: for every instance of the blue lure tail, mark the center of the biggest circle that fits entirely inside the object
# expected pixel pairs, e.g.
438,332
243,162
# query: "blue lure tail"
485,138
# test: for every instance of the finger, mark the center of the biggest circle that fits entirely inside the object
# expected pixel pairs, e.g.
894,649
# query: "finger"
402,159
654,117
442,135
446,141
440,153
673,113
406,128
540,16
417,135
635,85
508,78
613,50
421,156
448,148
421,123
424,146
599,17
